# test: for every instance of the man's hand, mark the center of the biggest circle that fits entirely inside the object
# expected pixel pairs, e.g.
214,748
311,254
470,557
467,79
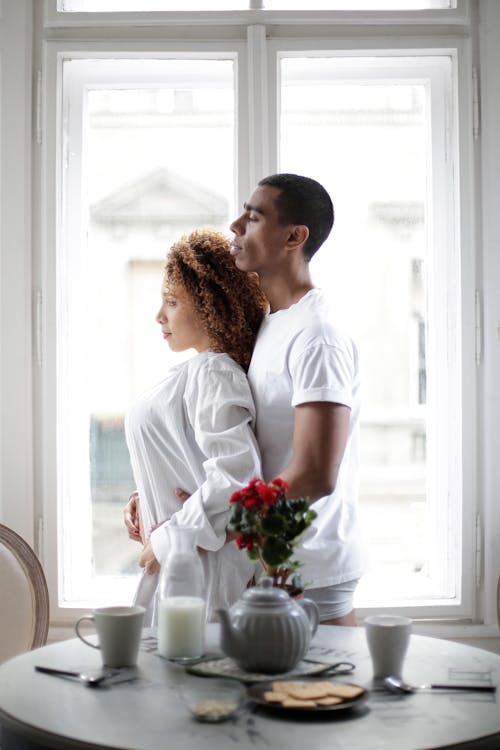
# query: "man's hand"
131,517
148,561
182,495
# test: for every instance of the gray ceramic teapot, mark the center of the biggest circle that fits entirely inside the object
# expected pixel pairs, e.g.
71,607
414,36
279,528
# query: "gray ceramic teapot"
267,631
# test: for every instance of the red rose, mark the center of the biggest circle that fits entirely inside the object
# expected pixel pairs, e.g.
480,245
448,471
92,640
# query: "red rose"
252,502
268,494
236,496
244,541
281,485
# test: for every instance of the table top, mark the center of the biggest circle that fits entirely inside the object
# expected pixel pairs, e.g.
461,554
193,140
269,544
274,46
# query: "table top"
148,714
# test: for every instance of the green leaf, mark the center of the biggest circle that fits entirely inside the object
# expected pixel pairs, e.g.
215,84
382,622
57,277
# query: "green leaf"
275,551
299,505
273,524
296,581
236,514
299,527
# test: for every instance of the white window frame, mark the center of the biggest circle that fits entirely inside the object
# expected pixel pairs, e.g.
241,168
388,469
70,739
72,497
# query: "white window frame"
451,16
53,206
256,75
168,6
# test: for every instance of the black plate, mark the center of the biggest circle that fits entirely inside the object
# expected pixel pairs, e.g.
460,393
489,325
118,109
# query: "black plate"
256,694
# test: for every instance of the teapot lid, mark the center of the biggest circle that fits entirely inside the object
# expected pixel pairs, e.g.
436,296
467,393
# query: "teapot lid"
266,593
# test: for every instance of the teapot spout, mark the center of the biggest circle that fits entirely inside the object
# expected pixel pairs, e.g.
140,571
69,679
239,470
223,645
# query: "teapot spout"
231,640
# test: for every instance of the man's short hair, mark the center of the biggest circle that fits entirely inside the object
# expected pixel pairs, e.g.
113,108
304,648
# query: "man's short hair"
303,200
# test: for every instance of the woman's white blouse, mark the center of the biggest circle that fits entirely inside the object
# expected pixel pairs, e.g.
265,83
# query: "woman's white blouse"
194,430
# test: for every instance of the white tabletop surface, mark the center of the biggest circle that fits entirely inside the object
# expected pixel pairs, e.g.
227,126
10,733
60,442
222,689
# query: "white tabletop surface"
147,714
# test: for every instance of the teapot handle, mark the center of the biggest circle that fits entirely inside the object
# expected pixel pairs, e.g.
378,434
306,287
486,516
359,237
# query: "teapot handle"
312,612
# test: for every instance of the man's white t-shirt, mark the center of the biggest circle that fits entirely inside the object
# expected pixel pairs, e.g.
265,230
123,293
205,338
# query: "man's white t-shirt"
194,430
299,357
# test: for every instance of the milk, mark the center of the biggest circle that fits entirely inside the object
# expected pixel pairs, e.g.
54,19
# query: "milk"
181,627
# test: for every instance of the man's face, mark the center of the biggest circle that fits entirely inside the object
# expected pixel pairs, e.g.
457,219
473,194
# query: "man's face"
260,240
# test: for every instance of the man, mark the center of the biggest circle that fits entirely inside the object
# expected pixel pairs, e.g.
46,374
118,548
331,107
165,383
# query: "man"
304,379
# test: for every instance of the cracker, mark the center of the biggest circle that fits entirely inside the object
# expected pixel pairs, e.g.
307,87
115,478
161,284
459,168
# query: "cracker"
330,700
273,696
309,691
296,703
309,694
298,689
341,690
316,684
281,686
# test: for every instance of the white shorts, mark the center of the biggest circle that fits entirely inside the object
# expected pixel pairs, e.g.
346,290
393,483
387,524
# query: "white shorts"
333,601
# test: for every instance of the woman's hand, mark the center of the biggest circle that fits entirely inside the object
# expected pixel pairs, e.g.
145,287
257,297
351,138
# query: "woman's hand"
131,517
182,495
148,561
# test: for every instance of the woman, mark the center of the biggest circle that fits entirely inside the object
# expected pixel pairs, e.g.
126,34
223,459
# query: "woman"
194,429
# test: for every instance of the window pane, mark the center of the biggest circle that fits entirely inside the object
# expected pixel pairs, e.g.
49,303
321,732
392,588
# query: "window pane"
120,6
365,135
117,6
373,5
155,161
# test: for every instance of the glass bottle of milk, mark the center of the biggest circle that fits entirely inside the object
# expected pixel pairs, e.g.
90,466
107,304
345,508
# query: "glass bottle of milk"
181,610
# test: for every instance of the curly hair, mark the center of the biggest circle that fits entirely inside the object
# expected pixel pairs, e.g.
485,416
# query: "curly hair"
229,302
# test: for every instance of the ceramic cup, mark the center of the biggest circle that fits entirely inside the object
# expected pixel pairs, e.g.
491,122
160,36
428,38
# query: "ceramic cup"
388,637
119,632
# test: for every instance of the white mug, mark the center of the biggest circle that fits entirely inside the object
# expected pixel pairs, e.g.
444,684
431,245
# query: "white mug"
119,632
388,637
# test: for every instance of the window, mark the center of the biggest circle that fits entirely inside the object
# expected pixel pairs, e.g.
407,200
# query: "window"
193,126
150,154
118,6
362,126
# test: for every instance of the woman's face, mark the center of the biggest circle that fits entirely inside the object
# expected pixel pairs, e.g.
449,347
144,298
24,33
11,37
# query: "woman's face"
181,325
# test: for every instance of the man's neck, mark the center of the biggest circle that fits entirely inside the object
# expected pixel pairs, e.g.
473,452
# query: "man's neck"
283,291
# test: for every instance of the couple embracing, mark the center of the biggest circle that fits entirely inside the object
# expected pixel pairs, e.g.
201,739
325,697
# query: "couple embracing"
273,390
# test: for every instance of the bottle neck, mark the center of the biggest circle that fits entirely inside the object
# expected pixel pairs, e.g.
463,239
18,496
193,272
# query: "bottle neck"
181,571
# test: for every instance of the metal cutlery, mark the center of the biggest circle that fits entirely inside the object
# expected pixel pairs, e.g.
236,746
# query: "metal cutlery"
92,680
341,667
397,685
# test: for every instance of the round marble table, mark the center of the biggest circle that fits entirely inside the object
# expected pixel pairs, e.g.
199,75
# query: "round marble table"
38,710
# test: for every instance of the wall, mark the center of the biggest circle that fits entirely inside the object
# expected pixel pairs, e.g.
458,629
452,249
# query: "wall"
16,456
489,436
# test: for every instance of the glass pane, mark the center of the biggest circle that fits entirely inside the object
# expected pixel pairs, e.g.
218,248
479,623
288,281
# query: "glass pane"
367,142
144,6
117,6
157,161
355,5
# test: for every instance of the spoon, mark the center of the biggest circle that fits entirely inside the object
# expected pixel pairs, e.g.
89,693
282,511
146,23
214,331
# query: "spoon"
397,685
92,680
